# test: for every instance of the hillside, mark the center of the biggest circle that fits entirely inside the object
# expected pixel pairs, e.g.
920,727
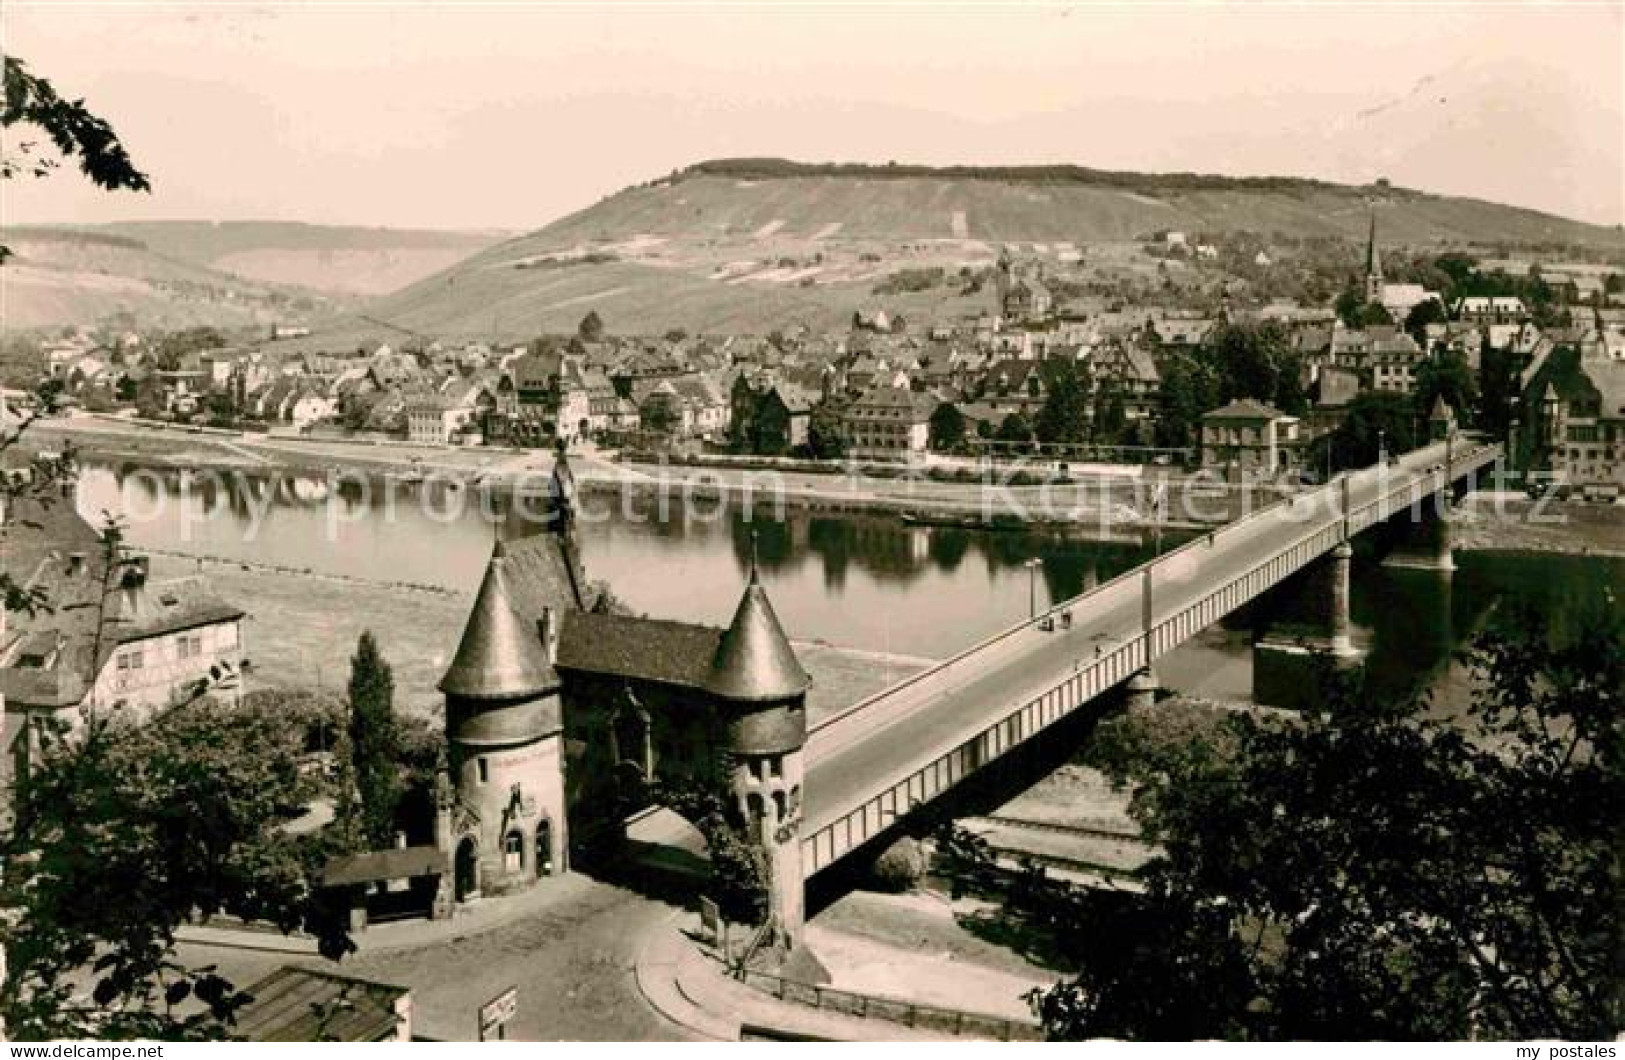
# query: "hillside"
331,259
757,244
1043,203
61,276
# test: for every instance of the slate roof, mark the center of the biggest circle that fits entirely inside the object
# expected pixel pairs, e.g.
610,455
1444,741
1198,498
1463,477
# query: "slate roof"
49,546
1246,409
754,661
500,655
302,1004
647,649
373,866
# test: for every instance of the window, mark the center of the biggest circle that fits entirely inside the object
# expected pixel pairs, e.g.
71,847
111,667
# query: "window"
485,771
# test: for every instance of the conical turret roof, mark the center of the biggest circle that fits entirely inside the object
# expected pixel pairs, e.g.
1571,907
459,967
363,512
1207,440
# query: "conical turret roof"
754,661
501,656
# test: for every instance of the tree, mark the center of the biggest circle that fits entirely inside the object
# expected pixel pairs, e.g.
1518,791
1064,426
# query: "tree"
177,344
658,416
1253,361
1065,414
1015,428
1498,392
1375,420
1375,870
825,439
1374,314
738,880
1446,375
947,427
123,833
1188,389
591,328
1350,306
374,741
74,131
1423,313
1110,415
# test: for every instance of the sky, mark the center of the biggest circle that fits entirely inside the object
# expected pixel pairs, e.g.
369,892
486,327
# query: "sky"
509,115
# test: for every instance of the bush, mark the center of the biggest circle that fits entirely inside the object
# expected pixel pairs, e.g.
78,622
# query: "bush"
900,867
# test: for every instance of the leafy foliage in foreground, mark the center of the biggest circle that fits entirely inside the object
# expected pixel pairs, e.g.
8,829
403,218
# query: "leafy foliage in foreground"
125,833
1373,872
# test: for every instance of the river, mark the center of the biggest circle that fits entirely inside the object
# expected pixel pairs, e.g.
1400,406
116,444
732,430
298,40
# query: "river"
867,582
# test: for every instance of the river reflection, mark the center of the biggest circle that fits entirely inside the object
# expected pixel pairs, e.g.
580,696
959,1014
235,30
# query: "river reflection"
864,581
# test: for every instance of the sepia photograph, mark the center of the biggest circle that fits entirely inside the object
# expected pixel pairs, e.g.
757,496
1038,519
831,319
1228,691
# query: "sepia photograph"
812,521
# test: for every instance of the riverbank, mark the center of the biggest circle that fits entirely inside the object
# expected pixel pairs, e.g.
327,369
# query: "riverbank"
1106,507
1504,522
303,626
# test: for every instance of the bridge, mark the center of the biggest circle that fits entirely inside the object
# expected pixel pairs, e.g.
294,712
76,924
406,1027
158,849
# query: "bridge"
874,763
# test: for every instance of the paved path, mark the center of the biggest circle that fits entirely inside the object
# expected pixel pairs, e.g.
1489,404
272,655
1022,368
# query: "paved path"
569,945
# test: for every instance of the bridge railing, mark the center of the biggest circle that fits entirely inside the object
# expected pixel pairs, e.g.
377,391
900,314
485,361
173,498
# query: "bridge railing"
855,721
944,765
895,1010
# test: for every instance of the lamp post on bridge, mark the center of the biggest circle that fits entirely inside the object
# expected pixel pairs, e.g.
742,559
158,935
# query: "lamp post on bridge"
1032,566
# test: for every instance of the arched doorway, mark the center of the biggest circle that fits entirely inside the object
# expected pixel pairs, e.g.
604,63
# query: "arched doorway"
544,848
513,853
467,869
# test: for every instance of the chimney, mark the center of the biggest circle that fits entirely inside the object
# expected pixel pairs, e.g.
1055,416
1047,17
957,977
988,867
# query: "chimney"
548,628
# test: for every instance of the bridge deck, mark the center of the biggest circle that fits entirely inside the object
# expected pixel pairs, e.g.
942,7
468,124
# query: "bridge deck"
906,745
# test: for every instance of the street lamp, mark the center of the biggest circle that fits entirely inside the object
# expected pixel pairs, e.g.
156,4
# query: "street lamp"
1382,446
1032,566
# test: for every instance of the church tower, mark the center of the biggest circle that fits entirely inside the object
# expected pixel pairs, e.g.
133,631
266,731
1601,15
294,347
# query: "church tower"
762,691
1373,265
504,733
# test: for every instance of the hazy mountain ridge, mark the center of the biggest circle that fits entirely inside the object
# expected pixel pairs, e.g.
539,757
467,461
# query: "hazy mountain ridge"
58,276
756,244
334,260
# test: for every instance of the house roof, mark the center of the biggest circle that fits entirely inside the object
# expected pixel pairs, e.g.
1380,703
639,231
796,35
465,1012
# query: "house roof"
51,548
754,661
500,655
646,649
373,866
919,406
304,1005
1246,409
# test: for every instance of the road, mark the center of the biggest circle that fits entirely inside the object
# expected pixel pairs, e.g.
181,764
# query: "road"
871,747
571,956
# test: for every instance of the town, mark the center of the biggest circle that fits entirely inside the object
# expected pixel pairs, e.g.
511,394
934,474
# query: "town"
797,601
1534,349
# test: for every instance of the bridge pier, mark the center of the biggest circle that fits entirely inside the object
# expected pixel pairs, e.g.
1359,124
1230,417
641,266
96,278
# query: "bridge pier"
1425,536
1290,657
1141,689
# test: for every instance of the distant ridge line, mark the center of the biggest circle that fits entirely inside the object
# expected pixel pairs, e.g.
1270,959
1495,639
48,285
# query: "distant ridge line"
779,168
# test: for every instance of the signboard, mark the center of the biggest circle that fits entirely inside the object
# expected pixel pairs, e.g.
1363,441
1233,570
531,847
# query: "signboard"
495,1014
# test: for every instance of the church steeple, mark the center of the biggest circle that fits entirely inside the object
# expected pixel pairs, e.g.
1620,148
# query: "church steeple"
1373,263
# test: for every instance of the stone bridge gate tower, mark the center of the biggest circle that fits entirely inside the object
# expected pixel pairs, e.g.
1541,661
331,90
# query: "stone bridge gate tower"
761,691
